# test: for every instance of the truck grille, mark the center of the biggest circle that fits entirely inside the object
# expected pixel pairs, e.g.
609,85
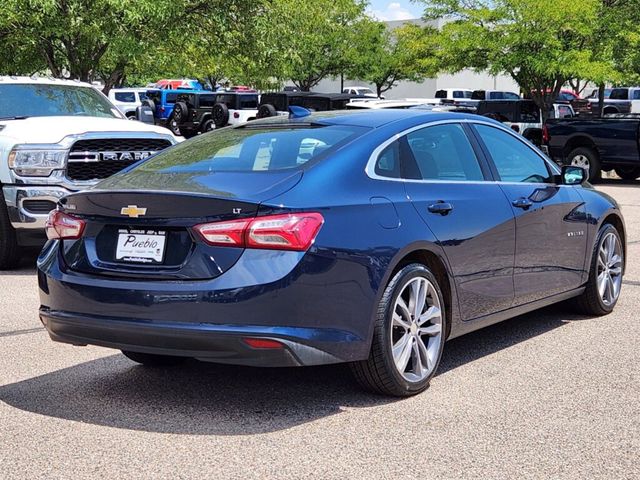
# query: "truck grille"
95,159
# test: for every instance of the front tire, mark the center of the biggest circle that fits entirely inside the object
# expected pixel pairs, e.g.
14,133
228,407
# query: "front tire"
151,360
588,159
605,275
408,336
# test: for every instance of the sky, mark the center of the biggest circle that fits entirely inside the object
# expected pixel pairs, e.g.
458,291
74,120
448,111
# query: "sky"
395,10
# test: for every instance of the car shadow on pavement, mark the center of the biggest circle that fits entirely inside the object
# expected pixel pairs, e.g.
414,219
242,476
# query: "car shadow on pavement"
208,399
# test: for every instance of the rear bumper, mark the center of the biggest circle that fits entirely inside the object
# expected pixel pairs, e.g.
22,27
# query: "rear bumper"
214,343
304,302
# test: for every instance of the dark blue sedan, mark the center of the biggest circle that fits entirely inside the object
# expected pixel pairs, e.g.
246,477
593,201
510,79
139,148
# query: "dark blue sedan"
360,237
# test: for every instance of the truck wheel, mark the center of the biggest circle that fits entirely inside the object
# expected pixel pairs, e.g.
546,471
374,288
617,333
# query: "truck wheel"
586,158
173,125
180,112
220,115
207,126
9,251
266,110
628,173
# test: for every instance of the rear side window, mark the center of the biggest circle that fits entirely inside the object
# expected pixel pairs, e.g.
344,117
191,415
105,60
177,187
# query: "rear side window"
172,97
514,160
207,100
388,163
636,95
619,94
250,149
248,101
443,152
129,97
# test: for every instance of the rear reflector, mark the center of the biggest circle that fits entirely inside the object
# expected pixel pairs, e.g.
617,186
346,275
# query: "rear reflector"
295,231
60,226
262,343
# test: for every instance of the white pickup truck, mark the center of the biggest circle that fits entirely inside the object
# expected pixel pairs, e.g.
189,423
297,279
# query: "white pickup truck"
58,137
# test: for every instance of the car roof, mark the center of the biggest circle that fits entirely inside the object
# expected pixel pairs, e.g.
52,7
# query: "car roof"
369,118
42,81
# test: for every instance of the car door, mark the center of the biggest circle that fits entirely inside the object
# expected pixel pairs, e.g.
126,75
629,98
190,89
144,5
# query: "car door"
551,221
446,181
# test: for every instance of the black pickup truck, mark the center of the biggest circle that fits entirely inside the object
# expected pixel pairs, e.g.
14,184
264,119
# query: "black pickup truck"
609,143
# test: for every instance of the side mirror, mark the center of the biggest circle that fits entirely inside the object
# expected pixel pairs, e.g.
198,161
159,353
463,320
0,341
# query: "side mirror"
573,175
144,114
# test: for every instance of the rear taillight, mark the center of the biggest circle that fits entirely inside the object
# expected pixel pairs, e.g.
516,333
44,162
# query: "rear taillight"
294,231
545,134
61,226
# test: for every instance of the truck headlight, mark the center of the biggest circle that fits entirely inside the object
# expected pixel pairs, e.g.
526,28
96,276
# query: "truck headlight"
37,161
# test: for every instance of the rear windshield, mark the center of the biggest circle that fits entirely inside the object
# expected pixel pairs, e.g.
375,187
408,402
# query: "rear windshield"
251,149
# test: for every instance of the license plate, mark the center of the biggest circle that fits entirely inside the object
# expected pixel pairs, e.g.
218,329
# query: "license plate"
141,246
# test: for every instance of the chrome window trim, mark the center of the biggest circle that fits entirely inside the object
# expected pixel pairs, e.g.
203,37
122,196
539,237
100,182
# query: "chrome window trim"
370,168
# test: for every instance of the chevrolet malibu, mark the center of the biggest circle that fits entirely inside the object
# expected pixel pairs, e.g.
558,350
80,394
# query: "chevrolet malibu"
360,237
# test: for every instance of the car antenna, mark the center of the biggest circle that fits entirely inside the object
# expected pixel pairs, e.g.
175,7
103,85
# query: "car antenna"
298,112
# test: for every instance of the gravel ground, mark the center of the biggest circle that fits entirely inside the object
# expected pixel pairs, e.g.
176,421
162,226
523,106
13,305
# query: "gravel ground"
546,395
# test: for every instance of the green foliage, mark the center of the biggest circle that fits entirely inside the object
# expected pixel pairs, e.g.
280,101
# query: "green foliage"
384,57
541,44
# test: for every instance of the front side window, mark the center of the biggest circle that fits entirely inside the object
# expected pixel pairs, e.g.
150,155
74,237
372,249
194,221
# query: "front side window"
35,100
442,152
514,160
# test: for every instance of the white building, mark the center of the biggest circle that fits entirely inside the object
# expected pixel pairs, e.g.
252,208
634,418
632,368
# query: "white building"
427,89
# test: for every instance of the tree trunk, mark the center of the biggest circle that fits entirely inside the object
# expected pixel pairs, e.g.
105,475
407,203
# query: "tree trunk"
601,100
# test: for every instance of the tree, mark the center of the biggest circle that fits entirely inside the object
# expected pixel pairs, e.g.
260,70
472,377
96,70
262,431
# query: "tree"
310,42
541,44
86,40
384,58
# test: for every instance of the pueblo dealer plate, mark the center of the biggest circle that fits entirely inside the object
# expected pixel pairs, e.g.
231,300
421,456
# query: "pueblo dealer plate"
141,246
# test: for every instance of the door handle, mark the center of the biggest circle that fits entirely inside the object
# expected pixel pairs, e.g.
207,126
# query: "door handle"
523,203
442,208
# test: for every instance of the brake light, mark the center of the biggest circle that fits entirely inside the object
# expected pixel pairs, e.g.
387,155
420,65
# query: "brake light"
264,343
292,231
60,226
545,134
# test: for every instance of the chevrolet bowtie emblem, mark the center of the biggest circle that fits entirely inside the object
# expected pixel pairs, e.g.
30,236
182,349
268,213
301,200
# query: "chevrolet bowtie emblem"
133,211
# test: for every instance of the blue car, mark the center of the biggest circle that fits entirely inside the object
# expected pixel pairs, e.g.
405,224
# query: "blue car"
361,237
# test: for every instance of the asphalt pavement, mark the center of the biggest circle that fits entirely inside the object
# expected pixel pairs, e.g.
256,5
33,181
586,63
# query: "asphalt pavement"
549,395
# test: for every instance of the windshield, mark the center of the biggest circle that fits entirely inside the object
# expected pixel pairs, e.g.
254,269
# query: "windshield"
31,100
364,91
251,149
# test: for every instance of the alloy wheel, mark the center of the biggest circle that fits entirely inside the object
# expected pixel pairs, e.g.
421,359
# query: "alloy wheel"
609,271
581,161
416,329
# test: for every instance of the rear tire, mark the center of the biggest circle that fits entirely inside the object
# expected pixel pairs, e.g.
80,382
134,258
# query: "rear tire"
586,158
604,266
628,173
173,126
151,360
408,336
266,110
207,126
9,250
